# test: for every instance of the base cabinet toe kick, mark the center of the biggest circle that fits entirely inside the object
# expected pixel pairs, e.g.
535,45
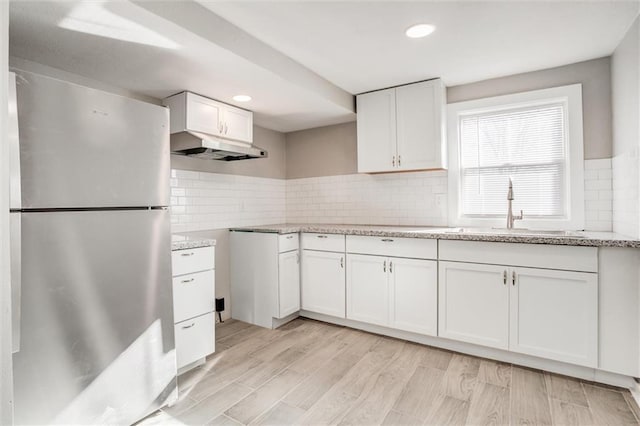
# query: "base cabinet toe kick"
572,310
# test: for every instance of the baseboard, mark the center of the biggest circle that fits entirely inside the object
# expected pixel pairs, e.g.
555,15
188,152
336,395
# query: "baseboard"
635,391
584,373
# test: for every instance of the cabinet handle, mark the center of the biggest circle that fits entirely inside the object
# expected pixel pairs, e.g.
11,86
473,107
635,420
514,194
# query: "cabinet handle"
190,280
342,262
226,128
187,254
220,128
399,160
391,266
384,266
393,161
513,278
504,277
289,237
321,236
387,240
188,326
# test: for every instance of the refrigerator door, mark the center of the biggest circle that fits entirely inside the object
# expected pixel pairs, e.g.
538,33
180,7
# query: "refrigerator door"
97,337
81,147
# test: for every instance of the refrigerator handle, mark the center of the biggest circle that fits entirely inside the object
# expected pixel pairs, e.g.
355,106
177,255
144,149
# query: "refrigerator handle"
15,237
15,191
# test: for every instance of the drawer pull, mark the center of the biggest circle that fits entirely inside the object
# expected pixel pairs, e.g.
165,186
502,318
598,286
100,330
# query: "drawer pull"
387,240
188,326
190,280
289,237
187,254
322,236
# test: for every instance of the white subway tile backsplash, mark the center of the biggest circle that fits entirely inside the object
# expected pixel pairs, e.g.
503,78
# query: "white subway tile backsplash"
212,201
215,201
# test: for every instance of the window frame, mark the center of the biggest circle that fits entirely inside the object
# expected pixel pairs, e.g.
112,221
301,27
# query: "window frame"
571,97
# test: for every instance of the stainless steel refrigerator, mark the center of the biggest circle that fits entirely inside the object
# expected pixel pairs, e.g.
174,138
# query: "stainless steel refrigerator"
90,247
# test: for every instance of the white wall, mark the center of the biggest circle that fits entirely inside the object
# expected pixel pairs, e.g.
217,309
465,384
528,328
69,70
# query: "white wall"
6,381
625,94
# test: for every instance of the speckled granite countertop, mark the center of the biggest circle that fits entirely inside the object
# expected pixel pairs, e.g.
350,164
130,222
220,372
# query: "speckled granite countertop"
578,238
191,240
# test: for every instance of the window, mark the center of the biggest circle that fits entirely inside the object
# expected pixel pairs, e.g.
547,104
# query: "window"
534,139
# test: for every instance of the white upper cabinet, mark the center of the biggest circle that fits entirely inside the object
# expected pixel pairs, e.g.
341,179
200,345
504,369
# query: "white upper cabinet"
376,131
197,113
402,128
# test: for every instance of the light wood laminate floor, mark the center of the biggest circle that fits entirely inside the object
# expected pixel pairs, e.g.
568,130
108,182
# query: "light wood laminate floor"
309,372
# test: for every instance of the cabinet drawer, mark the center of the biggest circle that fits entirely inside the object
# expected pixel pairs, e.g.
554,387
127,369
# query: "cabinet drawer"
192,260
323,242
195,339
395,247
288,242
193,295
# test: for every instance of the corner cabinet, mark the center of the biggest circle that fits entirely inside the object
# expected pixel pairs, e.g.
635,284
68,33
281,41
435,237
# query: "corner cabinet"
265,277
532,309
402,128
199,114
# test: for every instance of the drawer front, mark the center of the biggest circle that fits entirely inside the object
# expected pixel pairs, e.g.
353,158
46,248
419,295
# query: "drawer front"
195,339
570,258
288,242
192,260
323,242
415,248
193,295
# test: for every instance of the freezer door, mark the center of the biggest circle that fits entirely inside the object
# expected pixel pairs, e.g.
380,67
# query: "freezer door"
97,336
81,147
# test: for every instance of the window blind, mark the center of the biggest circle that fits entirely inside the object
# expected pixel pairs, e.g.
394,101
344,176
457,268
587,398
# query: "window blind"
526,144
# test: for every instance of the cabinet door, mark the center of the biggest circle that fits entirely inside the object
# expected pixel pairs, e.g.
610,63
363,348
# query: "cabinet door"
204,115
419,126
474,303
288,283
554,314
414,295
368,289
323,283
238,124
376,131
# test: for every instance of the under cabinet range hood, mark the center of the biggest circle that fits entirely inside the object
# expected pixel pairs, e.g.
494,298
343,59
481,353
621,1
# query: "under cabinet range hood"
202,145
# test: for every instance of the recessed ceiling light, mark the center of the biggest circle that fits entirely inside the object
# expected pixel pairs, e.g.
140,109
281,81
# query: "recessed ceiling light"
242,98
419,30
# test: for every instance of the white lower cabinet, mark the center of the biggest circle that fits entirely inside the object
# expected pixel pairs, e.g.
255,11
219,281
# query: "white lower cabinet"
541,312
194,339
414,295
554,315
323,282
368,289
474,303
193,305
289,283
393,292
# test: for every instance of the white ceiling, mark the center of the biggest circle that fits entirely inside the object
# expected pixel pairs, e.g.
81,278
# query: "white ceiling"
300,61
361,46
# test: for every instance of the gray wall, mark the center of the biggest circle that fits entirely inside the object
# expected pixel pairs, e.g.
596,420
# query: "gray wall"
323,151
595,76
331,150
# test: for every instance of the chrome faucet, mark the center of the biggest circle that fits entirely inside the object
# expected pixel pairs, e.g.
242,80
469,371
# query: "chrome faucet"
510,217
